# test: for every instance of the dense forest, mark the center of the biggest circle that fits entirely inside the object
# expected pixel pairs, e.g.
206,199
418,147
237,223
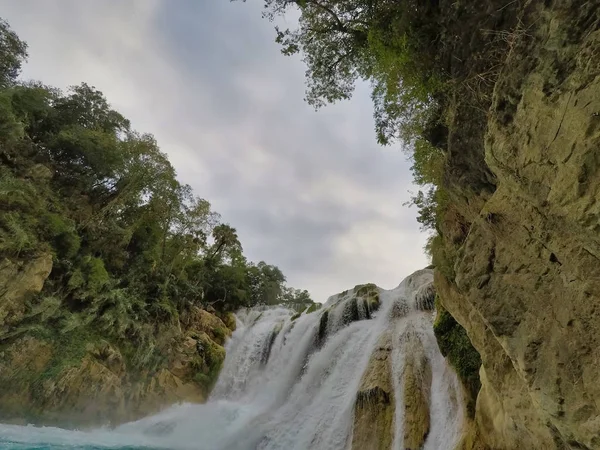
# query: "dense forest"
131,249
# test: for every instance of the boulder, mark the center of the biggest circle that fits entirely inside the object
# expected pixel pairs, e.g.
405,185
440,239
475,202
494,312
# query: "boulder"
374,408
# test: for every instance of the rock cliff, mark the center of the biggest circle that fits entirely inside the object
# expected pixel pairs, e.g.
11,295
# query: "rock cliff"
82,379
521,261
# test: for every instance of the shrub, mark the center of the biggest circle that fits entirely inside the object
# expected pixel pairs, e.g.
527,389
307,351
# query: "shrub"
220,334
314,307
61,232
96,275
16,235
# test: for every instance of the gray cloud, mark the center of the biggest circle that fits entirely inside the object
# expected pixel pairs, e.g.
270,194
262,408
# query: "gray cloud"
310,192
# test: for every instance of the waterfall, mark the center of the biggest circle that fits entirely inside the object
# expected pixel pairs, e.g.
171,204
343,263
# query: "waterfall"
293,384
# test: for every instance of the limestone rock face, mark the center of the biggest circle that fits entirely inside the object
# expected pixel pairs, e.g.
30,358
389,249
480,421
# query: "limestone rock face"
527,285
375,415
416,383
202,321
374,410
40,384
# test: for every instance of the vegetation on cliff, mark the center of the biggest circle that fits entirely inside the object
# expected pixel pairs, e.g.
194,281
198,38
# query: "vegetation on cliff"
496,103
99,242
457,348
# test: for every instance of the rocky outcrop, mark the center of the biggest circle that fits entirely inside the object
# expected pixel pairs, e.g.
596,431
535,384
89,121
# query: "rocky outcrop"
79,379
374,410
383,389
416,383
525,279
504,417
38,383
201,321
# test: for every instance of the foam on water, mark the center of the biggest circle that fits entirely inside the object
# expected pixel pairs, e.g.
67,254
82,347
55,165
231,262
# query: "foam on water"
283,389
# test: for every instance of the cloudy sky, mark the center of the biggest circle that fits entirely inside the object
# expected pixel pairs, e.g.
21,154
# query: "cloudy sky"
308,191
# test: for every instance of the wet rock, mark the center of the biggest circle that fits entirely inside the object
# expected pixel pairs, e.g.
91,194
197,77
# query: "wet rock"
416,383
525,278
374,409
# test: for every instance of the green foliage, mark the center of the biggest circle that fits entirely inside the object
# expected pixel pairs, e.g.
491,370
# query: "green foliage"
62,234
204,381
72,347
209,364
134,249
95,274
314,307
428,163
456,346
220,335
15,193
11,128
389,44
13,52
444,254
16,236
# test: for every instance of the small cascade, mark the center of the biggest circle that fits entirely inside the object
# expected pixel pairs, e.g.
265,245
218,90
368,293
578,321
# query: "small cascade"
363,372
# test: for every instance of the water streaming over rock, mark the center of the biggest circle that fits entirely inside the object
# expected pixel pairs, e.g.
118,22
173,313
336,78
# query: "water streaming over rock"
293,385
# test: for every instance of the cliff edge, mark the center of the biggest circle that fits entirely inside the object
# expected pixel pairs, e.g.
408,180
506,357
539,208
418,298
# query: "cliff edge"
518,261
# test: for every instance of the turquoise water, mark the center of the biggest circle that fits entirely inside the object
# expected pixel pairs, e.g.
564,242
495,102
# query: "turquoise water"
13,437
19,446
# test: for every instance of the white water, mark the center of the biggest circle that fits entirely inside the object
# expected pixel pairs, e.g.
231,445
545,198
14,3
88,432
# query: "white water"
283,389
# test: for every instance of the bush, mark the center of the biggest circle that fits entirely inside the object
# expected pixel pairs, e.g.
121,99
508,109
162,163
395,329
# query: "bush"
11,129
220,335
16,235
314,307
62,234
96,275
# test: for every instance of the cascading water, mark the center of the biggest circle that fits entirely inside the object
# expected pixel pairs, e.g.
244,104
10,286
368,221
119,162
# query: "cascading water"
292,384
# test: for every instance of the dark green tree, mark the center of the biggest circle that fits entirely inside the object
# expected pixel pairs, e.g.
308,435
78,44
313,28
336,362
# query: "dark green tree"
13,52
387,43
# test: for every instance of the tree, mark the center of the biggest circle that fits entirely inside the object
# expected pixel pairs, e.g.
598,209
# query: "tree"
266,283
226,244
13,52
133,250
295,296
386,42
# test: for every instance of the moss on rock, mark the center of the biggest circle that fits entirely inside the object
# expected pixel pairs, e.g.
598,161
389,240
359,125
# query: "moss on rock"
369,293
228,319
314,307
374,407
416,379
456,346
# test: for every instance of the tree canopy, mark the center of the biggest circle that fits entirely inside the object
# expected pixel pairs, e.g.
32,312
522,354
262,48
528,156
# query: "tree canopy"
132,246
385,42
